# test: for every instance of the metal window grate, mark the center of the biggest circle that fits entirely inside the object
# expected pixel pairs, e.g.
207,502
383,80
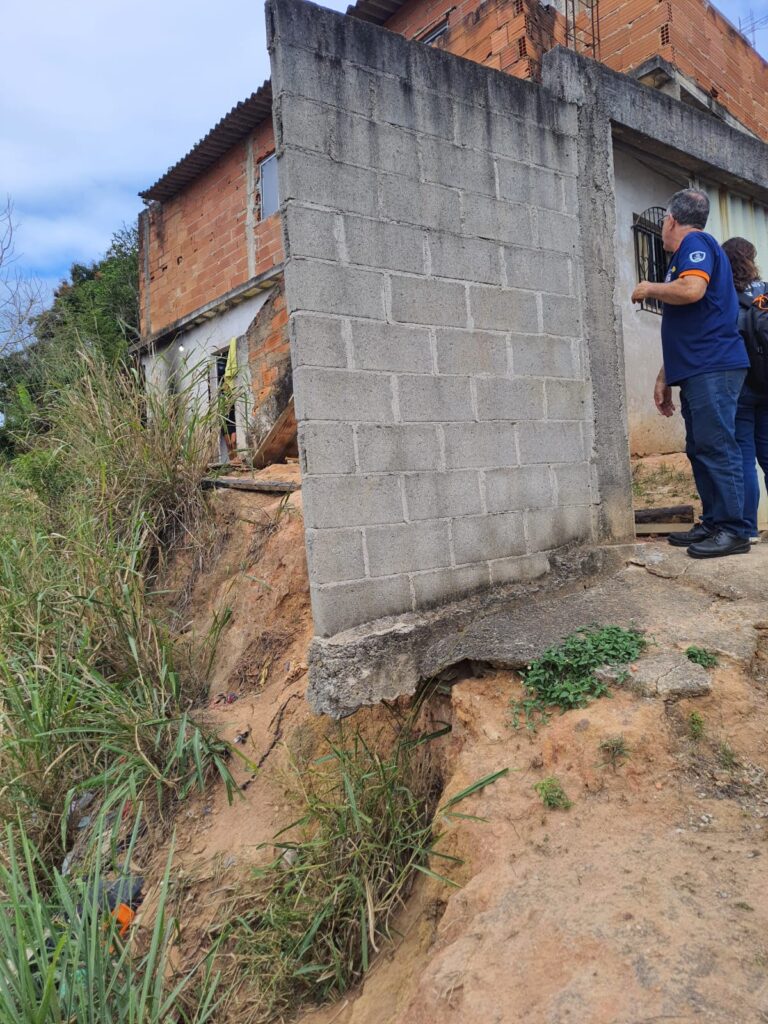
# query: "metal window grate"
650,259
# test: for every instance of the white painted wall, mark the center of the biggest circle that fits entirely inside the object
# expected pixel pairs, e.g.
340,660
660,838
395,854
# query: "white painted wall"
190,357
640,184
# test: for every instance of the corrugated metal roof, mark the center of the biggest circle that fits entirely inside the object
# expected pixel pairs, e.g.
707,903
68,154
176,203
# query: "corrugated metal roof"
376,11
241,120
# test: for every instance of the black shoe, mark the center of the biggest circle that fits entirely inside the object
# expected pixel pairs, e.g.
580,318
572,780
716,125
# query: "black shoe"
719,544
692,536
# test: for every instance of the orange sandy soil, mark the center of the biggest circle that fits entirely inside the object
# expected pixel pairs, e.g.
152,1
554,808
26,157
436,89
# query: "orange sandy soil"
644,902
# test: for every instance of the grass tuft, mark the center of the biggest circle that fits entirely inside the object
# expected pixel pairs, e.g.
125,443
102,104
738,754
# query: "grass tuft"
695,726
614,751
701,656
552,794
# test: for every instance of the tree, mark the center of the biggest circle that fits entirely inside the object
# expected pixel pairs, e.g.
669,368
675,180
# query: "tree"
20,297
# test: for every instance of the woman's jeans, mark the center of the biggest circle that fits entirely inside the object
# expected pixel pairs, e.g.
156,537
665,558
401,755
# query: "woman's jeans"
708,403
752,435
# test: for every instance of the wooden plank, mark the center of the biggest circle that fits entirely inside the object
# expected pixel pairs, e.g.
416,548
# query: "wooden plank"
649,529
280,441
671,514
249,483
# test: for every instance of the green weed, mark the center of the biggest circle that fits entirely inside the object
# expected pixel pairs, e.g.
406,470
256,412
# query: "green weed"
701,656
614,751
320,912
563,677
552,794
726,756
695,726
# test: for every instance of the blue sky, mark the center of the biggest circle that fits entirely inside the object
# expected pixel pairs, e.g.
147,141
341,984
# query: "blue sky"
97,100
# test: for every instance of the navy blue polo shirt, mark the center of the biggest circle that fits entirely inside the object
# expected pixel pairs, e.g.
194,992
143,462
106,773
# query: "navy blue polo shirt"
702,336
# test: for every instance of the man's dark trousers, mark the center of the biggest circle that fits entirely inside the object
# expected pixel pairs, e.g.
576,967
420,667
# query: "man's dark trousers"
708,404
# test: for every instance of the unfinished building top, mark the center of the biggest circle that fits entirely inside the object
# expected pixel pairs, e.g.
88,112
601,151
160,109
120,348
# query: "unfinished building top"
241,120
375,11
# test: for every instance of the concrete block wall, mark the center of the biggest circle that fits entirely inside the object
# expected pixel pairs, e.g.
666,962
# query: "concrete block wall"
434,286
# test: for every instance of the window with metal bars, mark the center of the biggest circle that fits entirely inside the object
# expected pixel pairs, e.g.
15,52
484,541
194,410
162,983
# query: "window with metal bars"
650,259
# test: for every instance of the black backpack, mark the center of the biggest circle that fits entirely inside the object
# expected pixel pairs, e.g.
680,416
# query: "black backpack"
754,329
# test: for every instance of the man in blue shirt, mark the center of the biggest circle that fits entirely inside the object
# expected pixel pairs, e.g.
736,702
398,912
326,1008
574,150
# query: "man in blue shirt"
705,356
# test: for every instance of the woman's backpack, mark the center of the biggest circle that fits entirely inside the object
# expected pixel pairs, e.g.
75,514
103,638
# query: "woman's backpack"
753,324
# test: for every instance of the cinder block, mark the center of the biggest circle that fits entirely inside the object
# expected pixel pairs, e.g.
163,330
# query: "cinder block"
539,271
326,448
438,495
348,395
340,606
310,232
534,355
437,399
574,484
490,218
397,102
397,449
426,205
492,132
308,124
480,445
566,399
536,186
467,169
509,490
425,301
375,243
553,527
407,547
351,501
443,585
556,231
312,178
499,398
520,569
562,316
335,555
313,76
552,149
550,442
471,352
316,341
467,259
380,346
356,140
481,538
499,309
329,288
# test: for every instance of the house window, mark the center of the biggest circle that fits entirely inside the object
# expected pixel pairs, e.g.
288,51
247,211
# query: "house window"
650,259
270,199
435,33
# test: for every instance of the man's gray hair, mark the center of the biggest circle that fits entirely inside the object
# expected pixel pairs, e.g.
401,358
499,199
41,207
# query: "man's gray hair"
689,207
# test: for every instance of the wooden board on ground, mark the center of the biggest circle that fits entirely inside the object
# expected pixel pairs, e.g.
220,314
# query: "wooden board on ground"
649,529
670,514
250,483
281,441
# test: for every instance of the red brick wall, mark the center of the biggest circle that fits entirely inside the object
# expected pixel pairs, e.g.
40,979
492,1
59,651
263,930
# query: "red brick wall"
198,239
512,35
268,345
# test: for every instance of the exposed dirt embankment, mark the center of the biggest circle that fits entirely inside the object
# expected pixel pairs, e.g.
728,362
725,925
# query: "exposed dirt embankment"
645,901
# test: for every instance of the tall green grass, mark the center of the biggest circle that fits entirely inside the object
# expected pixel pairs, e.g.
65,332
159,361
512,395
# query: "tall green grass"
63,961
318,914
107,480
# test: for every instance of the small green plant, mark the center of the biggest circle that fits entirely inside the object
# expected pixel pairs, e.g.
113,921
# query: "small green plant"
695,726
552,794
614,751
726,756
701,656
563,677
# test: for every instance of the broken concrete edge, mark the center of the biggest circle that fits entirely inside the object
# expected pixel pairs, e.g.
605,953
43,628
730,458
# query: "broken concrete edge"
389,658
